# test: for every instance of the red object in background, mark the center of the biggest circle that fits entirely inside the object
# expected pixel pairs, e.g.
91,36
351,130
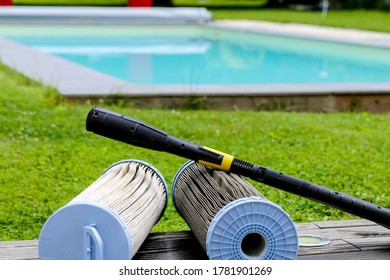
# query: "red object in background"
5,2
139,3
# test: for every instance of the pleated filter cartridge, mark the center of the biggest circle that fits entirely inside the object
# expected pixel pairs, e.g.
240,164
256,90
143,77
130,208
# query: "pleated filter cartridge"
110,219
230,218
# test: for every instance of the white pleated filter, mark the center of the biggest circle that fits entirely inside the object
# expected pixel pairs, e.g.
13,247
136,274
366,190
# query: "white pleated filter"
121,207
135,192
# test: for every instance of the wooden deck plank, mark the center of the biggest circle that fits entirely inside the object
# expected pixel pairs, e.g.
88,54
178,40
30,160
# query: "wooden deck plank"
19,250
349,232
171,246
336,246
342,223
371,243
355,239
374,255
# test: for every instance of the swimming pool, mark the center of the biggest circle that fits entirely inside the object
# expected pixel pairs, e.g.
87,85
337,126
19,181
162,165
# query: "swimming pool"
351,72
204,55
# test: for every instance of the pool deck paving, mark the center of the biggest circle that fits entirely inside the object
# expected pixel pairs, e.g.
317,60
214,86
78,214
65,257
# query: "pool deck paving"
354,36
75,81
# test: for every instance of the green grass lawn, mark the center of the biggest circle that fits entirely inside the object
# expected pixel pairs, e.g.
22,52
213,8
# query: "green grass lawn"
47,157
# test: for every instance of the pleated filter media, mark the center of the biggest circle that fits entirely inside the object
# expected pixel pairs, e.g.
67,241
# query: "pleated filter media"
110,219
230,218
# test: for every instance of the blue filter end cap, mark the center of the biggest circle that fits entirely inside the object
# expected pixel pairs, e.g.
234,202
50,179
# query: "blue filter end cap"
252,228
80,231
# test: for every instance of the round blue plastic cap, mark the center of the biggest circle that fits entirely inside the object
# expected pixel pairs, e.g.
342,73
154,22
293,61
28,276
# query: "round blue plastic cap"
252,228
62,236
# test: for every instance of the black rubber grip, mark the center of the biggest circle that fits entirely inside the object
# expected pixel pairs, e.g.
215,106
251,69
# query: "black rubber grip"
132,131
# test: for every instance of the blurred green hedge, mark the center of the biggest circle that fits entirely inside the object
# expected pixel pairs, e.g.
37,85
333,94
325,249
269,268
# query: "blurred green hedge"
337,4
361,4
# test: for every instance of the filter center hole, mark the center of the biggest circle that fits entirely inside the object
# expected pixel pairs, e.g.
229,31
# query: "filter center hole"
253,245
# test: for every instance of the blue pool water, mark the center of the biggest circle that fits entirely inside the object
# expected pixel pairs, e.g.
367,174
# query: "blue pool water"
215,57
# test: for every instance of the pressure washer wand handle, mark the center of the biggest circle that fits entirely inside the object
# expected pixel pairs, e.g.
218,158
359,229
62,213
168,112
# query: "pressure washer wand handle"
131,131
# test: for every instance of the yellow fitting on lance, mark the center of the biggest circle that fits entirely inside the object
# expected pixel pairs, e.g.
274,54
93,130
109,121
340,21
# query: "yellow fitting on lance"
225,164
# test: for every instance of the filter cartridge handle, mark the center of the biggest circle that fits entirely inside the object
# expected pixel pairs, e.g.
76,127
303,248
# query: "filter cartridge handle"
93,243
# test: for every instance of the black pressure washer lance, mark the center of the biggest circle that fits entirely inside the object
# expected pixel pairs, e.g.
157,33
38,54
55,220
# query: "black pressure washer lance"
131,131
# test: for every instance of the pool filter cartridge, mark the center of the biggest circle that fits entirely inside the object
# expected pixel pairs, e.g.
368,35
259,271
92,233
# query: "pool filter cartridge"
110,219
230,218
